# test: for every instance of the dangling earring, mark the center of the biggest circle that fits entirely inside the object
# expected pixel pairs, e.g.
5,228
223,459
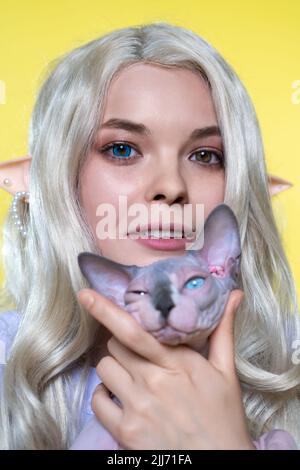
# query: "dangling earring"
19,196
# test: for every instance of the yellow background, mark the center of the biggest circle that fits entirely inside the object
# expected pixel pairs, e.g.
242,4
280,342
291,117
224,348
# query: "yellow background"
261,40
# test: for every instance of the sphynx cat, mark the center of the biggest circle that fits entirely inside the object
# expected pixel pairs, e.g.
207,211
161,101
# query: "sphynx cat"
179,300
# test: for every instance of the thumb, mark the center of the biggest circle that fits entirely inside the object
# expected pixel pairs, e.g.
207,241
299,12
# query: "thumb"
221,341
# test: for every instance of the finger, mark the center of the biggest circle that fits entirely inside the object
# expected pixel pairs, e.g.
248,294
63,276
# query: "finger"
115,377
132,362
221,342
124,327
140,369
108,412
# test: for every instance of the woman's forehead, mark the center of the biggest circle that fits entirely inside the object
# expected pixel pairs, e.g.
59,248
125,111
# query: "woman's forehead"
153,96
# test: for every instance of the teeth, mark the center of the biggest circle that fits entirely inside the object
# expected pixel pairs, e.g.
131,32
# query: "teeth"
160,234
163,234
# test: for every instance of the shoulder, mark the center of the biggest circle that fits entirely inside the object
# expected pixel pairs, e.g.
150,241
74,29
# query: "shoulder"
92,382
277,439
93,435
9,322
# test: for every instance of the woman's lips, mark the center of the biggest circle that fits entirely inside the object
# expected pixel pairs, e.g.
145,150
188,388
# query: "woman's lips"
165,244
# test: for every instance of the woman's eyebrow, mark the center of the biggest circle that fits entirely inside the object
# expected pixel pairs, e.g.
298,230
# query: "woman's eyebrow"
139,128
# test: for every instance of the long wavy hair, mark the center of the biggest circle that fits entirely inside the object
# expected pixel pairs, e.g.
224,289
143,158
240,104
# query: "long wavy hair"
42,276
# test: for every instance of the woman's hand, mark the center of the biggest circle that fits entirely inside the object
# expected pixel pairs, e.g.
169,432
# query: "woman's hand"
172,397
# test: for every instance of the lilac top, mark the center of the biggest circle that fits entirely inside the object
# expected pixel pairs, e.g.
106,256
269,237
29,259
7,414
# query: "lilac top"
93,436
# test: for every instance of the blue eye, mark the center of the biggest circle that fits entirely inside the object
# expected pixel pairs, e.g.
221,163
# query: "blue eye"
195,283
122,152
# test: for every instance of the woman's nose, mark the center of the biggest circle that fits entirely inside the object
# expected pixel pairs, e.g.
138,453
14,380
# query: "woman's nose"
167,184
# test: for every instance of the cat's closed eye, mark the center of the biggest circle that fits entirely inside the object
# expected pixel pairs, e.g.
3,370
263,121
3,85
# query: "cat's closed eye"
140,292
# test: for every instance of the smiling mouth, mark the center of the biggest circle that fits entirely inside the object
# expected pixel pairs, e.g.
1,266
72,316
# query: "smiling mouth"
161,235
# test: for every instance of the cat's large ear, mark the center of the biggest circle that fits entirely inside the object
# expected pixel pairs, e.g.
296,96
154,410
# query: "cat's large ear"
222,246
105,276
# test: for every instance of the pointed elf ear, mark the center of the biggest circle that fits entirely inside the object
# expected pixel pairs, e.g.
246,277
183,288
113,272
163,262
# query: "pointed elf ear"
14,177
277,185
14,174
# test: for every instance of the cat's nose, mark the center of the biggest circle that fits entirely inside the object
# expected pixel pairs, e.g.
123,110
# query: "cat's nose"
164,306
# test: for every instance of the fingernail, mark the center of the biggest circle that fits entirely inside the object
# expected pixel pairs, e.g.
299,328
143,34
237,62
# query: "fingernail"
86,299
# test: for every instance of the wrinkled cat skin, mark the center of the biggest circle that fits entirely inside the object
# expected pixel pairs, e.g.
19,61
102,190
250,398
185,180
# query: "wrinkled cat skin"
180,299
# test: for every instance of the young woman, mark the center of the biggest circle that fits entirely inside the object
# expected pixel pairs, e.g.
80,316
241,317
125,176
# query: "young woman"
155,114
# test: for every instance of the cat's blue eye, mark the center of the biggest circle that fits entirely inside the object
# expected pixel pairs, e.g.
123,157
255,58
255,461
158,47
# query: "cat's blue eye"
195,283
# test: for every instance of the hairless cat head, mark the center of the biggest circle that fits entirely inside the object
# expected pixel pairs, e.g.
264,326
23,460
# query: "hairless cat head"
179,299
